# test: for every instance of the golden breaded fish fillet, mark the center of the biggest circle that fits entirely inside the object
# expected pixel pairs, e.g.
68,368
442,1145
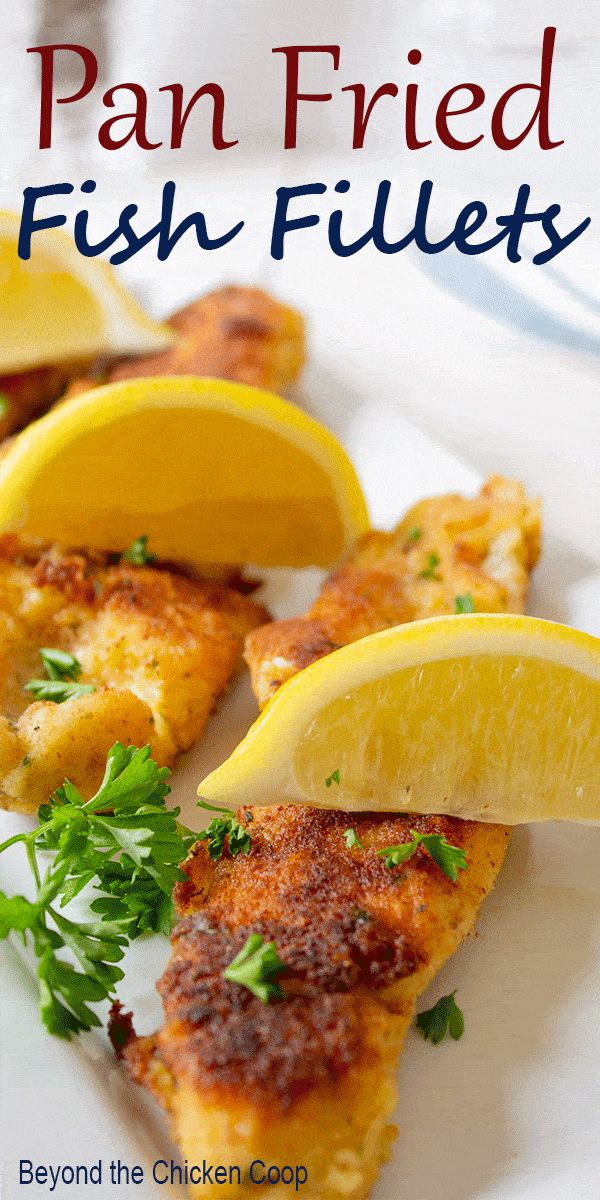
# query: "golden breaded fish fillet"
158,647
444,547
236,333
311,1079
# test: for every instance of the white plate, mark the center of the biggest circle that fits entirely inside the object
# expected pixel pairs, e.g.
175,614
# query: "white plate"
509,1113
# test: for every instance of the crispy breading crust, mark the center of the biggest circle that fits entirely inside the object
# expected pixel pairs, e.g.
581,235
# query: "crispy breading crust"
311,1080
158,646
487,546
236,333
311,1076
28,395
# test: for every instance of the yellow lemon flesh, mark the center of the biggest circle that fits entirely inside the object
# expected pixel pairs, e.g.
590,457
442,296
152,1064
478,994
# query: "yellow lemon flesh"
491,718
210,471
59,306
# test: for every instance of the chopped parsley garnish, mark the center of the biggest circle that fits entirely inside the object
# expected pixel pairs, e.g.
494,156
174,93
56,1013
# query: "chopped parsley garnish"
226,825
256,967
445,1017
59,664
333,778
128,846
361,915
137,554
430,572
62,670
4,404
414,534
464,604
353,841
58,690
450,859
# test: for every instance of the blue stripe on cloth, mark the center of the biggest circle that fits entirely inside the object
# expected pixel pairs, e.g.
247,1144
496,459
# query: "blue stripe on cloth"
478,285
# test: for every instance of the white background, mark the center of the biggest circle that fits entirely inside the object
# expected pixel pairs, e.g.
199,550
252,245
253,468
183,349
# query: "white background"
499,363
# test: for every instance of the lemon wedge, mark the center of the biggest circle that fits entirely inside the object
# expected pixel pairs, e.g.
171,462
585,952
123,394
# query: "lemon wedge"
491,718
59,306
210,471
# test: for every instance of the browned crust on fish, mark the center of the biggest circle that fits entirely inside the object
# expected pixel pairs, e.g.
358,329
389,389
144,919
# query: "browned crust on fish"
236,333
158,646
346,926
486,546
29,394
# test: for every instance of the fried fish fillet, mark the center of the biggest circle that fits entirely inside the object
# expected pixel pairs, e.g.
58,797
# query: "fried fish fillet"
446,546
158,647
236,333
311,1079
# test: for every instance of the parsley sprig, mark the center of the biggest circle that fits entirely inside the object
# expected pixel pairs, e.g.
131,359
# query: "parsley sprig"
138,554
450,859
63,670
226,825
464,604
58,690
445,1017
256,967
127,845
352,839
59,664
430,572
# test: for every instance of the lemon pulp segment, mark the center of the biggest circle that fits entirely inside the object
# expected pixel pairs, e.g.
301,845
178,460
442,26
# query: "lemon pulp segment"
463,736
487,717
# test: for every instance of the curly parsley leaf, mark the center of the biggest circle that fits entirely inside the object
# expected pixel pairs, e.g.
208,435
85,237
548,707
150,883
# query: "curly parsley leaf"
256,967
353,841
444,1018
16,914
464,604
138,554
430,572
225,826
450,859
333,778
396,855
124,843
